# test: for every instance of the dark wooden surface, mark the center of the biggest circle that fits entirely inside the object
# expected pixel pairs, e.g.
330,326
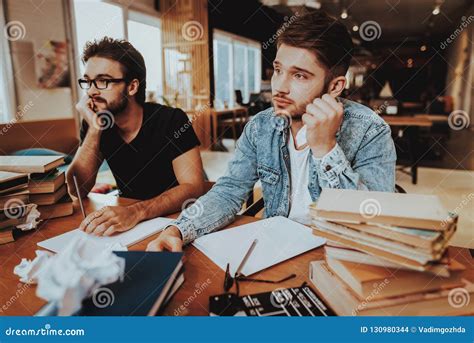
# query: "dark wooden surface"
203,277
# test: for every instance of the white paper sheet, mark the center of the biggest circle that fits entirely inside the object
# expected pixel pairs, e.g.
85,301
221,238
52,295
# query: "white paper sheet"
279,239
140,232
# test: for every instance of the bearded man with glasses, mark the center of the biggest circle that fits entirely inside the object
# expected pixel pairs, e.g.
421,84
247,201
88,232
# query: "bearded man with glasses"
137,139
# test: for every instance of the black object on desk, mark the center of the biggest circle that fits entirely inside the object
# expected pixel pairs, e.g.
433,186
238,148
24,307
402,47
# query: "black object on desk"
296,301
149,278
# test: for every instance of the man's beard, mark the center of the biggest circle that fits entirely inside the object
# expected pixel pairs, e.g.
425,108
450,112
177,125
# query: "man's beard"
114,107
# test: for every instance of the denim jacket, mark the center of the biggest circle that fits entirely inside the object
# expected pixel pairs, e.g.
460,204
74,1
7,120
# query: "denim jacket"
363,158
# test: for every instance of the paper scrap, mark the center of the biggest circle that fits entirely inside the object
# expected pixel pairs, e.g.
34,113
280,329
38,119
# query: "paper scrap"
73,274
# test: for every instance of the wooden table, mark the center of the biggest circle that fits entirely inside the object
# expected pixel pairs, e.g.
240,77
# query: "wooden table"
205,123
407,121
202,277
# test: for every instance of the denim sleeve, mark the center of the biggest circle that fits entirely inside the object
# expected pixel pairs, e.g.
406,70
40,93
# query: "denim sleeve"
220,205
373,167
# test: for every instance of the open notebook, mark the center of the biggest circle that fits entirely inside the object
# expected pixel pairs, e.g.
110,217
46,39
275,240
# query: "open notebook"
140,232
279,239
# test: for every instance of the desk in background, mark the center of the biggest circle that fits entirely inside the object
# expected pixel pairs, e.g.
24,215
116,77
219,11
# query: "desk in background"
409,126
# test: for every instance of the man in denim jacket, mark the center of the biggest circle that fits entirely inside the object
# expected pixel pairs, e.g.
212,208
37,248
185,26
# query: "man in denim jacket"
310,139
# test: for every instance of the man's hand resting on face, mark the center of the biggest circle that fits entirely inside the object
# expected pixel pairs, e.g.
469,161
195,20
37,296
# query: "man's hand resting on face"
86,109
323,118
170,239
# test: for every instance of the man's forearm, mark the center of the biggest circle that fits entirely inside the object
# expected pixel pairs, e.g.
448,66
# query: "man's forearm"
168,202
85,165
376,172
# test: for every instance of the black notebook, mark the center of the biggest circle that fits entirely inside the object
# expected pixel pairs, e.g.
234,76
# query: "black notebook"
149,278
295,301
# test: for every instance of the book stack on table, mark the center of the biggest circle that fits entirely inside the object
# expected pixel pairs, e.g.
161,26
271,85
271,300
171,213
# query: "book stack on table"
14,203
387,254
46,184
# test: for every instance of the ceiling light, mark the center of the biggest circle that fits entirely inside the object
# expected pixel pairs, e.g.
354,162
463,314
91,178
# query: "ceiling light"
355,28
344,14
436,10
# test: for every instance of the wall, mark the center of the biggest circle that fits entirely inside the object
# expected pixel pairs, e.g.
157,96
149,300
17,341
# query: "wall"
38,22
460,76
185,39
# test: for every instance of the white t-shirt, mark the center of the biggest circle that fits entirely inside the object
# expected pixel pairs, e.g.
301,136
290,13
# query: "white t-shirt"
299,164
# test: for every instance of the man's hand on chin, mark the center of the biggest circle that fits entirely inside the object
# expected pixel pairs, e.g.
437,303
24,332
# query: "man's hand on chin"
323,118
109,220
87,110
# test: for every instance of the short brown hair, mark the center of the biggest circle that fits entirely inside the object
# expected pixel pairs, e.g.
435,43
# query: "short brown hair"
328,38
122,51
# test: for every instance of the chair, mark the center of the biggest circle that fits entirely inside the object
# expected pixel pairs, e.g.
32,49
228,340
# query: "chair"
399,189
254,208
251,208
239,98
237,122
227,123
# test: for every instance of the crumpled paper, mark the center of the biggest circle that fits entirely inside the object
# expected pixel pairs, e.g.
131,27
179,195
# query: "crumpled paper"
73,274
32,218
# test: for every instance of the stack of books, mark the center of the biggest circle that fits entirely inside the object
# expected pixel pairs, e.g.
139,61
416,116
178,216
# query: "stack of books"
14,198
387,255
46,185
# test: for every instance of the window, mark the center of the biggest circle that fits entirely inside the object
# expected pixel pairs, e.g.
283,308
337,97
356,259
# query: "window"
105,20
178,78
145,34
4,94
115,21
223,74
237,66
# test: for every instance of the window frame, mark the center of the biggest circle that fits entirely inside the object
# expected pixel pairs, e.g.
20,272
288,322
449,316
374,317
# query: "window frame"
8,92
233,40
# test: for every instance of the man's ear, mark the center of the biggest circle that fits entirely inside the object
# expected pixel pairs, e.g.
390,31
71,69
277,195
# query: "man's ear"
133,87
336,86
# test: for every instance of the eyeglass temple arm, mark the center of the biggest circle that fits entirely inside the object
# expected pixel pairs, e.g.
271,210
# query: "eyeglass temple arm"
242,278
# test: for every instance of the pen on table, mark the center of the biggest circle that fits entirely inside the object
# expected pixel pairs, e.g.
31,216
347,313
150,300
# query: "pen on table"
79,196
246,257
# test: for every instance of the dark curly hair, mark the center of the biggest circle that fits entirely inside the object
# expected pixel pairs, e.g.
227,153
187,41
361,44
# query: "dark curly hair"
122,51
328,38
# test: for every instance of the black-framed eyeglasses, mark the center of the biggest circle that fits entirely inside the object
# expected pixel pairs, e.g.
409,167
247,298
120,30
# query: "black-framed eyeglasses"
229,281
101,83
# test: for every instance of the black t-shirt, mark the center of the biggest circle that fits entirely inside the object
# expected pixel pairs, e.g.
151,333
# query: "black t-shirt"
143,168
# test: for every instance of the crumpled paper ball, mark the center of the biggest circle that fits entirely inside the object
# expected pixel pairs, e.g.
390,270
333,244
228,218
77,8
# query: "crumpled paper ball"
73,274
